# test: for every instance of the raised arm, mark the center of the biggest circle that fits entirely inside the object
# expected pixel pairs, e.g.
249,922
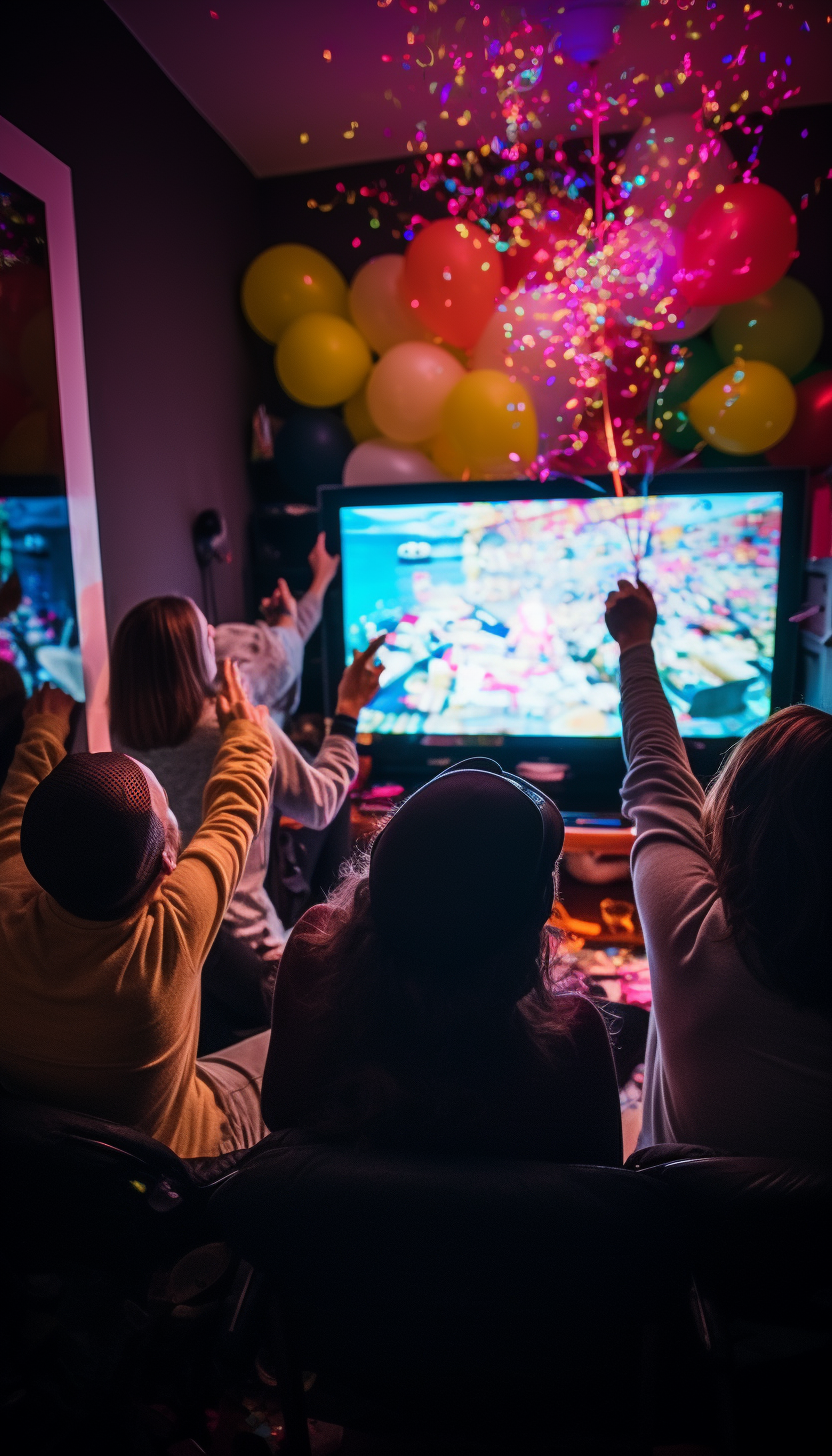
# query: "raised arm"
280,610
313,793
234,807
324,566
41,747
672,874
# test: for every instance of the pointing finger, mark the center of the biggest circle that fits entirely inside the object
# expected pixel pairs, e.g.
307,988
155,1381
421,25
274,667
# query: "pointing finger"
373,647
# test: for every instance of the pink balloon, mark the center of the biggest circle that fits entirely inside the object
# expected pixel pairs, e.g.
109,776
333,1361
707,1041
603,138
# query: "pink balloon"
383,462
376,307
408,387
526,338
644,258
671,165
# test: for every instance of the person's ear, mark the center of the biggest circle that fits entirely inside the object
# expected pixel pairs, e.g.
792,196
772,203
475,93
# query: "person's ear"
168,861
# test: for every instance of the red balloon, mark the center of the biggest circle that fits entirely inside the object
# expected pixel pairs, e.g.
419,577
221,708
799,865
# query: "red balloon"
542,242
452,275
808,445
739,242
24,291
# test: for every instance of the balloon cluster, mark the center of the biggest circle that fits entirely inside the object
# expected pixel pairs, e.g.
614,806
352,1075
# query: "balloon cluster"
584,351
555,321
418,413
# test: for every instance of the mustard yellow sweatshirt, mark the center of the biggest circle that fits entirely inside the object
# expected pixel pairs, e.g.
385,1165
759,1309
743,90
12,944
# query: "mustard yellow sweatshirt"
102,1017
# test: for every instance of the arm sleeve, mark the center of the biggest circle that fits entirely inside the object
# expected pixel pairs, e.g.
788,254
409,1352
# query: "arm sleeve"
673,879
310,608
313,793
40,749
270,659
234,807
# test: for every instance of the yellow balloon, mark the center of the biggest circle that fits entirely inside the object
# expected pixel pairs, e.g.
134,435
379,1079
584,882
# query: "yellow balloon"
783,326
446,456
358,419
408,387
491,424
744,409
287,281
321,360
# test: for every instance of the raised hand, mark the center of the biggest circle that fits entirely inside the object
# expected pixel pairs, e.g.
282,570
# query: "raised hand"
323,565
280,609
49,699
232,698
359,682
630,613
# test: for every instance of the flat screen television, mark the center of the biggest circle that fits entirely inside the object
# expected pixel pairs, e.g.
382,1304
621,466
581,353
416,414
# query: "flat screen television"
492,598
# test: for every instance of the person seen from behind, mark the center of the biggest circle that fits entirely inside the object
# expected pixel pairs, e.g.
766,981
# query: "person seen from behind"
163,712
733,893
104,929
420,1009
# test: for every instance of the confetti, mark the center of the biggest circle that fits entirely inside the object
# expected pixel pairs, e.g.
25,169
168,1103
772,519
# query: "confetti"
493,78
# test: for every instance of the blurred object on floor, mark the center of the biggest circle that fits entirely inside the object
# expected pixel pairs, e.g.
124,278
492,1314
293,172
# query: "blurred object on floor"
618,917
595,868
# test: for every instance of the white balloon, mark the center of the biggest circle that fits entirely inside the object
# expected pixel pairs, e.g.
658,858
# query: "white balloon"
376,308
383,462
670,167
694,322
526,339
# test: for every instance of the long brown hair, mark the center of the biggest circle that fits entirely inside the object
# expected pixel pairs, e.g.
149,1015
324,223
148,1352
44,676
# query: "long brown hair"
403,1035
158,684
768,823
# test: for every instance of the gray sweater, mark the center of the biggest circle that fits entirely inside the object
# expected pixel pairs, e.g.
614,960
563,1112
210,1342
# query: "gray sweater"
730,1064
271,658
311,793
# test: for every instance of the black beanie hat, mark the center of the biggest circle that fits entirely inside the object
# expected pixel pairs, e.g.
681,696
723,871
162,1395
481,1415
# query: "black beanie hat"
90,837
465,864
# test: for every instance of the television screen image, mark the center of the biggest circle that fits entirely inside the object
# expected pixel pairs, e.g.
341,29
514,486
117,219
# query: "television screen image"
38,622
494,610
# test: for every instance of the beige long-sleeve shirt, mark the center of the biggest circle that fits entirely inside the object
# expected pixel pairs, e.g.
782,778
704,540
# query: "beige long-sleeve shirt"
103,1016
730,1064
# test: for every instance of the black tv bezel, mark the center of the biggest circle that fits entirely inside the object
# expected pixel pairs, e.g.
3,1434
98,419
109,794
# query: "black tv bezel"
410,756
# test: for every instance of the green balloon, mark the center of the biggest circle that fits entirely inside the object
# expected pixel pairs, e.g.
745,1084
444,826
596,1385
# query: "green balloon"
694,362
783,327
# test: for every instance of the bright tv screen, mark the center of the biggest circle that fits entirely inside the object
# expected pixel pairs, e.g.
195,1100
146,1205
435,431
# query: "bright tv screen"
494,610
39,620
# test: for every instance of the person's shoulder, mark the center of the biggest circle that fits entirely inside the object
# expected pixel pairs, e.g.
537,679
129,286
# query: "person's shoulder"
301,954
577,1024
584,1018
233,638
313,922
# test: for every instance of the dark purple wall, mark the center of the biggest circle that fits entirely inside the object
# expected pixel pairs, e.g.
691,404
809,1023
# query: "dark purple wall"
166,222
